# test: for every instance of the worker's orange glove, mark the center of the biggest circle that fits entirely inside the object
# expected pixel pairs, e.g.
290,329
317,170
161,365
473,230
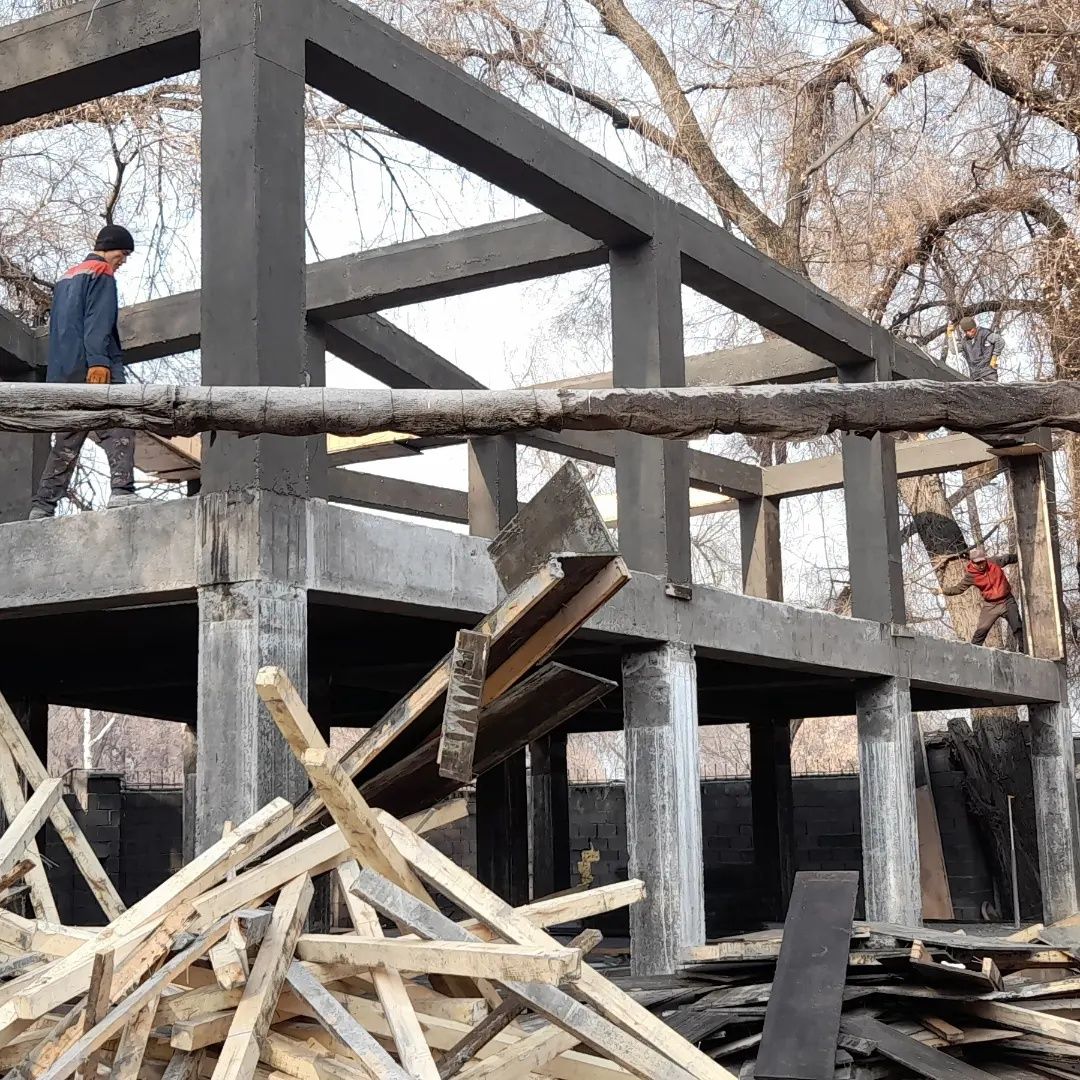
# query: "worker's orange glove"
994,362
99,375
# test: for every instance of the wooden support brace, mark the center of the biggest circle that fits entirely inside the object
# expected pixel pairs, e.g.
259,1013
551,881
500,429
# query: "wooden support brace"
66,827
11,796
239,1055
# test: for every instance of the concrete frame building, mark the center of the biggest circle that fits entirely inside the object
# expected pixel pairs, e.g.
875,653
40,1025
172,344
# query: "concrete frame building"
260,566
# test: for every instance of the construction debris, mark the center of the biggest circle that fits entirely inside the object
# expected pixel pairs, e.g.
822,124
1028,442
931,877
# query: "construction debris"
941,1004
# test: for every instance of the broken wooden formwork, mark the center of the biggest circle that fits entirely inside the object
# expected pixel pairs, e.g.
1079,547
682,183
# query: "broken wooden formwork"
212,974
824,998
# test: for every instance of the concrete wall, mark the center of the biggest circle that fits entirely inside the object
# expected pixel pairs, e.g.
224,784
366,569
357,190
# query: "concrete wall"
138,832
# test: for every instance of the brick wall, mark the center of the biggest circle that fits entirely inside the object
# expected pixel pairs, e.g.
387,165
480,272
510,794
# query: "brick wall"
96,801
138,835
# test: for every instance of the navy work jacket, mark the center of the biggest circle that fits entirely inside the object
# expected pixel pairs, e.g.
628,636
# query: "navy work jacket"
82,326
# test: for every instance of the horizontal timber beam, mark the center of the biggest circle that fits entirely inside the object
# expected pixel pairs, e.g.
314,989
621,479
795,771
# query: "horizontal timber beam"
780,412
93,49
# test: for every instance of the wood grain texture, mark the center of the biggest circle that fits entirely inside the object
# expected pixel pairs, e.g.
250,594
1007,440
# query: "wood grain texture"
779,412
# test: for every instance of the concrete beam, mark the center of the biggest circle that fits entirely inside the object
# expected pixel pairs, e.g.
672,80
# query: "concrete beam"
339,290
772,361
19,354
872,511
887,793
383,564
368,65
252,304
93,49
731,272
398,496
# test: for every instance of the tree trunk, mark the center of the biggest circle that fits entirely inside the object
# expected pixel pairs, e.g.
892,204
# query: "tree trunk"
782,412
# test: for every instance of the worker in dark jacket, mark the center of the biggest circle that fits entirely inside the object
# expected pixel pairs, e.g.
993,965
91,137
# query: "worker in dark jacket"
84,347
989,578
981,349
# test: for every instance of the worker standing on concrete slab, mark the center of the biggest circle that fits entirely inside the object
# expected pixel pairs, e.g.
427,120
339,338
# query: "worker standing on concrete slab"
981,349
84,347
989,578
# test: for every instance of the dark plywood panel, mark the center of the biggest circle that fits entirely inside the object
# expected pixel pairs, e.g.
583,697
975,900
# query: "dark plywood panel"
562,518
803,1017
912,1054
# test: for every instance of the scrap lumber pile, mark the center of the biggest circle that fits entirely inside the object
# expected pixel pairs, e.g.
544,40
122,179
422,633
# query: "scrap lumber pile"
215,974
827,998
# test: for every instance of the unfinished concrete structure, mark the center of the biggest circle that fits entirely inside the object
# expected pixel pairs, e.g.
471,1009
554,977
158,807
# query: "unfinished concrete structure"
260,567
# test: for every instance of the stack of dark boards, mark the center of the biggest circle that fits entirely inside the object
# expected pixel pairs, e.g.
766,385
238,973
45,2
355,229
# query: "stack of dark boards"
828,999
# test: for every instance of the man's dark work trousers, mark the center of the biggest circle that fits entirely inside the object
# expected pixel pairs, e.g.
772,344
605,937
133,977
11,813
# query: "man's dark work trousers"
119,447
989,614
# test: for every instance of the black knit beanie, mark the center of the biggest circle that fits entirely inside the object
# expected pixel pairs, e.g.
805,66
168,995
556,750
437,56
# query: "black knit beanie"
114,238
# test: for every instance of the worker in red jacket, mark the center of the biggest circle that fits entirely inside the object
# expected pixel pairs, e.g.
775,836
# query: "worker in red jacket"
989,578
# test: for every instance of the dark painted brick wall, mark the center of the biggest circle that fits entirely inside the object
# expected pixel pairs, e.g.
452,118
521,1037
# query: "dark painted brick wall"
138,834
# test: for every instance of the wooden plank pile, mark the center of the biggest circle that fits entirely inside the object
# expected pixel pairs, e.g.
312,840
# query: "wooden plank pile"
828,999
215,974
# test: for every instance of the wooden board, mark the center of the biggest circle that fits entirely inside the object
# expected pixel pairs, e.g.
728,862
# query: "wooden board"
560,517
936,897
66,827
912,1054
525,629
542,702
592,988
461,713
803,1017
973,975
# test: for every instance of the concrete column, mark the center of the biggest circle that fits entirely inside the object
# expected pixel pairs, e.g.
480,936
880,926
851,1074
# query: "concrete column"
1033,500
663,805
252,612
871,498
759,530
652,475
23,458
550,815
502,811
773,811
253,285
1054,777
887,793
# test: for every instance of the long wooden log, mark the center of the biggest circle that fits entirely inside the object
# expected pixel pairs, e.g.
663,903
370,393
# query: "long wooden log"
780,412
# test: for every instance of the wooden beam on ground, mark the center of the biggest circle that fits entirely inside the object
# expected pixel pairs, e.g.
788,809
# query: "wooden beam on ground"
592,988
240,1052
118,1016
803,1015
912,1054
340,1023
588,1027
408,1036
33,995
67,828
473,959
